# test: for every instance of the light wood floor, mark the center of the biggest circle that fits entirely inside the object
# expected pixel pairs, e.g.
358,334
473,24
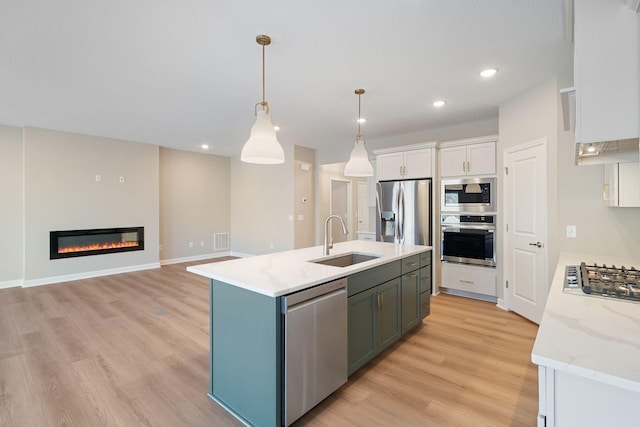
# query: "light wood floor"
132,350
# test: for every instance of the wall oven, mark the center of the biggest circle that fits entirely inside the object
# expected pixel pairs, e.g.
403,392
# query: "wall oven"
469,239
469,195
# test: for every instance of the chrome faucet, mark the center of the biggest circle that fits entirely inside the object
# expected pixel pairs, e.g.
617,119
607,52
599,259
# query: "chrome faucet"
329,245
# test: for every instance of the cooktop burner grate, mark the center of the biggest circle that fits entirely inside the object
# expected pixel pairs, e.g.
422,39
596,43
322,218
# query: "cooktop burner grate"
603,281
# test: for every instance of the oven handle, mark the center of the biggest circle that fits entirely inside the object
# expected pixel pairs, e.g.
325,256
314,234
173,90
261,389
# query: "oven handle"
489,228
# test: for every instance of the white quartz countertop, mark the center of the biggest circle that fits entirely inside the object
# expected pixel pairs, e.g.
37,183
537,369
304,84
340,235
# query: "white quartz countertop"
587,336
282,273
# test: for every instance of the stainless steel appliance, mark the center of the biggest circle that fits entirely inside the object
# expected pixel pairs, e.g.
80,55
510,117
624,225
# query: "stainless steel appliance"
603,281
404,212
468,239
315,346
469,195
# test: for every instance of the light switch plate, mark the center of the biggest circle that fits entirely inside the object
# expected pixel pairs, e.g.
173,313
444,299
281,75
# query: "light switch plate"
571,231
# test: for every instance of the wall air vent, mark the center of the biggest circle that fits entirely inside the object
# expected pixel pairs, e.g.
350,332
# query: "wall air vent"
220,241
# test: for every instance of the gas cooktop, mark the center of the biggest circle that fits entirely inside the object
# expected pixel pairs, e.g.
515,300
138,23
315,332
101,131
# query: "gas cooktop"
603,281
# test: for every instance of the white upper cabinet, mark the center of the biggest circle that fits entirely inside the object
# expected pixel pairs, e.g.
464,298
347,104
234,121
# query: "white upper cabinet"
405,163
621,185
475,156
606,71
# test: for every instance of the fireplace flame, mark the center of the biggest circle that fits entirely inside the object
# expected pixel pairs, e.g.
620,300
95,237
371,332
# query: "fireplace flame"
97,247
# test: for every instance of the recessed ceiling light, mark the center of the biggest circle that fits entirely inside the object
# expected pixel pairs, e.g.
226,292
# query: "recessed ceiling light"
361,120
438,104
204,146
276,128
489,72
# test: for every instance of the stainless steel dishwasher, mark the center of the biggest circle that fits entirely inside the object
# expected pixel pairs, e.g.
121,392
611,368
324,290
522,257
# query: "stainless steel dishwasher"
315,346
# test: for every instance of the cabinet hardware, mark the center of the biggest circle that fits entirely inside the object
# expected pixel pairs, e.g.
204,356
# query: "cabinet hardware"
467,281
411,264
464,166
468,166
378,302
412,276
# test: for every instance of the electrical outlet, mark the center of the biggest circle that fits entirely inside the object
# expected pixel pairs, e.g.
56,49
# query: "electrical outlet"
160,248
571,231
201,242
190,244
122,180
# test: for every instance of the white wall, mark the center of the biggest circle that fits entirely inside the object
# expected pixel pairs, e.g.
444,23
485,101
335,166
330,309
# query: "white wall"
532,115
261,203
11,212
304,189
195,203
61,193
340,152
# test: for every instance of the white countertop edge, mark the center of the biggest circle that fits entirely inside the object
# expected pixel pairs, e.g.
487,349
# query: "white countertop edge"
260,269
581,371
554,345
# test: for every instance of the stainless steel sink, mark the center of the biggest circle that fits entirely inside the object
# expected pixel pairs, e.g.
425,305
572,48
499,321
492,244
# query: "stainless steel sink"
345,260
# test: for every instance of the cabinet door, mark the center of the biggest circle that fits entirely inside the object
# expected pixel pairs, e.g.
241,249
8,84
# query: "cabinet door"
610,185
629,184
410,300
453,160
481,159
417,164
606,71
425,279
390,166
362,328
425,304
389,313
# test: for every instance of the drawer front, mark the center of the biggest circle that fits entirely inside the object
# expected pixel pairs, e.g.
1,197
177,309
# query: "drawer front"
481,280
425,304
425,259
410,264
367,279
425,279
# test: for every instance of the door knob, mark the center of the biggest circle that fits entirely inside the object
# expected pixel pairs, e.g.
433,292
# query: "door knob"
538,244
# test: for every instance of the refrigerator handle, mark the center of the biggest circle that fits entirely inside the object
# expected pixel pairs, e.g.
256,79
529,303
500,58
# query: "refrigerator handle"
379,197
401,214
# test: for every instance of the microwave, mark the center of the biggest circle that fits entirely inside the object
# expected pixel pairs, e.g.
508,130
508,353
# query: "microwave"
469,195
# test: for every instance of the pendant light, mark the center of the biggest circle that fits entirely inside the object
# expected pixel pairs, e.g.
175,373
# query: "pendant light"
358,164
262,146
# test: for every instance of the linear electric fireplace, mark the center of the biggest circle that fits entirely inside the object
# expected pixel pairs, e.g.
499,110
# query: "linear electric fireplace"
74,243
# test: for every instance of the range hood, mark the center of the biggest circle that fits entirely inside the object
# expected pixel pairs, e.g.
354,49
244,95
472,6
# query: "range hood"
596,153
599,153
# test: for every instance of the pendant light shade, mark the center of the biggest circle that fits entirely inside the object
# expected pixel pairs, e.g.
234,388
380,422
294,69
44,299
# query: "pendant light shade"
359,164
262,147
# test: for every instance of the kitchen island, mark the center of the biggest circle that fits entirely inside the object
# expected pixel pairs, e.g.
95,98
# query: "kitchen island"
588,352
388,295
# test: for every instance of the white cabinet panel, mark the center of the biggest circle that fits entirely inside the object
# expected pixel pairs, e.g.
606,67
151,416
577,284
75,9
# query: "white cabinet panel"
469,278
409,164
471,159
606,69
621,185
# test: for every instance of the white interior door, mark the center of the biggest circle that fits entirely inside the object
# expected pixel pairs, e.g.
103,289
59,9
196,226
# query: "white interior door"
525,206
341,206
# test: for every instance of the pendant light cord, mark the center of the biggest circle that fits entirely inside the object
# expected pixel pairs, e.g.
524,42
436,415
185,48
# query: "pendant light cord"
263,85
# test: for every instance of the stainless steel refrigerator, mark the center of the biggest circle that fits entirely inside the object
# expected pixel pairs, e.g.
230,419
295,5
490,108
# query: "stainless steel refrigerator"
404,212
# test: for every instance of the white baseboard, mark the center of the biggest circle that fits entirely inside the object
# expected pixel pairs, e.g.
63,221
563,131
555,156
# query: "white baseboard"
501,305
88,275
193,258
10,284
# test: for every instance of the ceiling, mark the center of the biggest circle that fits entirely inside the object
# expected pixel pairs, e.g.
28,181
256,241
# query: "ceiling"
183,73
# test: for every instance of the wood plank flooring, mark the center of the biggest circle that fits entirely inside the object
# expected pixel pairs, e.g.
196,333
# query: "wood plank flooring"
132,350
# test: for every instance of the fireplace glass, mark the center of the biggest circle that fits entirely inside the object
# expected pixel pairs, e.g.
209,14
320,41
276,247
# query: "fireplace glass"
75,243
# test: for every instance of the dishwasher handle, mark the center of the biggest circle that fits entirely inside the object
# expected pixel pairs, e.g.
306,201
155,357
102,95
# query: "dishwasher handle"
290,300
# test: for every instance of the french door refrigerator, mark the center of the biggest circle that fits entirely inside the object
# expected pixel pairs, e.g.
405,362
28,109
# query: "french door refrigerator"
404,212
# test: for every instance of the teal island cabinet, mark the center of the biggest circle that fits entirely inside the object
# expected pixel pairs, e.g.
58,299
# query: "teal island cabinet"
387,296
